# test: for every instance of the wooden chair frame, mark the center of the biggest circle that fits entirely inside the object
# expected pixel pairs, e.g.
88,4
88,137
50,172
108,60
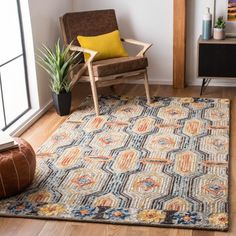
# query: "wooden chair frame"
107,80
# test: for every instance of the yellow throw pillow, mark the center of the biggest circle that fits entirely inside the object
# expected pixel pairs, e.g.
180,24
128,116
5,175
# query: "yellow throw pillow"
107,45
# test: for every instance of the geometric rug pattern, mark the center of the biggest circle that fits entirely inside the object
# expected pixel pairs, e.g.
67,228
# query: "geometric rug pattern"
164,164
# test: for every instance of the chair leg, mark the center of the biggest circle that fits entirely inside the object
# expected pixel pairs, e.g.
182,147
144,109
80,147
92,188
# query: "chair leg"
94,91
146,85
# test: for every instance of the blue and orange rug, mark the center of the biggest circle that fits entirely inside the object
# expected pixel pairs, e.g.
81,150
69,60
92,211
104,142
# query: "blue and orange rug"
160,165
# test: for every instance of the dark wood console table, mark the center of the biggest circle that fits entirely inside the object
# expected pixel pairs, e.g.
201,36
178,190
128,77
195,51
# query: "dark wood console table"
216,59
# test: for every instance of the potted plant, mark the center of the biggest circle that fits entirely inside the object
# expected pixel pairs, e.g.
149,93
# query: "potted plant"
58,63
219,29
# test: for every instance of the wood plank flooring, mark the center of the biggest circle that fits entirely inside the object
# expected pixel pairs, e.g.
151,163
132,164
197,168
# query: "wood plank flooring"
44,127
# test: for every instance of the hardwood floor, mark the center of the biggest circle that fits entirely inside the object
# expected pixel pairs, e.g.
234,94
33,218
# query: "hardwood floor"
44,127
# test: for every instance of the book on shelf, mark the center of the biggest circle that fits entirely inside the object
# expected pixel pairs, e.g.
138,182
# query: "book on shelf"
6,142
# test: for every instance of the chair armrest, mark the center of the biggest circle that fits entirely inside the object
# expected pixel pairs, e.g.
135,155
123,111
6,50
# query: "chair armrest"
87,64
84,50
145,46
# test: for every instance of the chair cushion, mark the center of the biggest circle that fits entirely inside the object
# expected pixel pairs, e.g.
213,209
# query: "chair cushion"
107,45
118,65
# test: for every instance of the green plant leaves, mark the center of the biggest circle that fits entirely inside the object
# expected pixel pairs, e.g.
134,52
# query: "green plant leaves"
58,64
220,23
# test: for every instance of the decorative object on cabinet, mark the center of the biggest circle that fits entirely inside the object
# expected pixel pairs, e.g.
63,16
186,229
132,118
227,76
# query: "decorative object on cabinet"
207,25
219,29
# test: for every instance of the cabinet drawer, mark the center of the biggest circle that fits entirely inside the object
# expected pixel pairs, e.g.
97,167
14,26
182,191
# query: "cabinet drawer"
217,60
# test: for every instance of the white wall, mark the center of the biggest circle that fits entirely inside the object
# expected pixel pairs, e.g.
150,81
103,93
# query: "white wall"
194,24
149,21
45,28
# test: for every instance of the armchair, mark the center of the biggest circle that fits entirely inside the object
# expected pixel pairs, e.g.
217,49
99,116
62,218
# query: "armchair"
104,72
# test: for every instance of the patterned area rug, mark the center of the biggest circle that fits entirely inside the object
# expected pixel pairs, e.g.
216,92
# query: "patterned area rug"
160,165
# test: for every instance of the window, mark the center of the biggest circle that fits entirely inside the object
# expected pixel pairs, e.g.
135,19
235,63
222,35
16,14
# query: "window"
14,94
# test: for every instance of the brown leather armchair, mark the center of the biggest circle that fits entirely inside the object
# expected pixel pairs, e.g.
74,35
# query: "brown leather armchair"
104,72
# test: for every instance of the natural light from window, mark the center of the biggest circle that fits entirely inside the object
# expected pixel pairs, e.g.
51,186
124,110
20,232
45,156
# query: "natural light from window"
14,99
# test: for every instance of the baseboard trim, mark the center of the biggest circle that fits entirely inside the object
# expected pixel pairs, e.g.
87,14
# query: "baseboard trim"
196,82
153,82
29,120
214,83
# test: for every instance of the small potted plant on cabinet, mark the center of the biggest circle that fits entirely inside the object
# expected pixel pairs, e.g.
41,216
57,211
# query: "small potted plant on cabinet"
219,29
58,63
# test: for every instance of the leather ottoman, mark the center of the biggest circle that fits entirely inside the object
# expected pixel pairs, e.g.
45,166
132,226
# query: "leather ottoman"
17,168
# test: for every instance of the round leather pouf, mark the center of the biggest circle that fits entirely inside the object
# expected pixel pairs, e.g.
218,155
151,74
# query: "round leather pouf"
17,168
